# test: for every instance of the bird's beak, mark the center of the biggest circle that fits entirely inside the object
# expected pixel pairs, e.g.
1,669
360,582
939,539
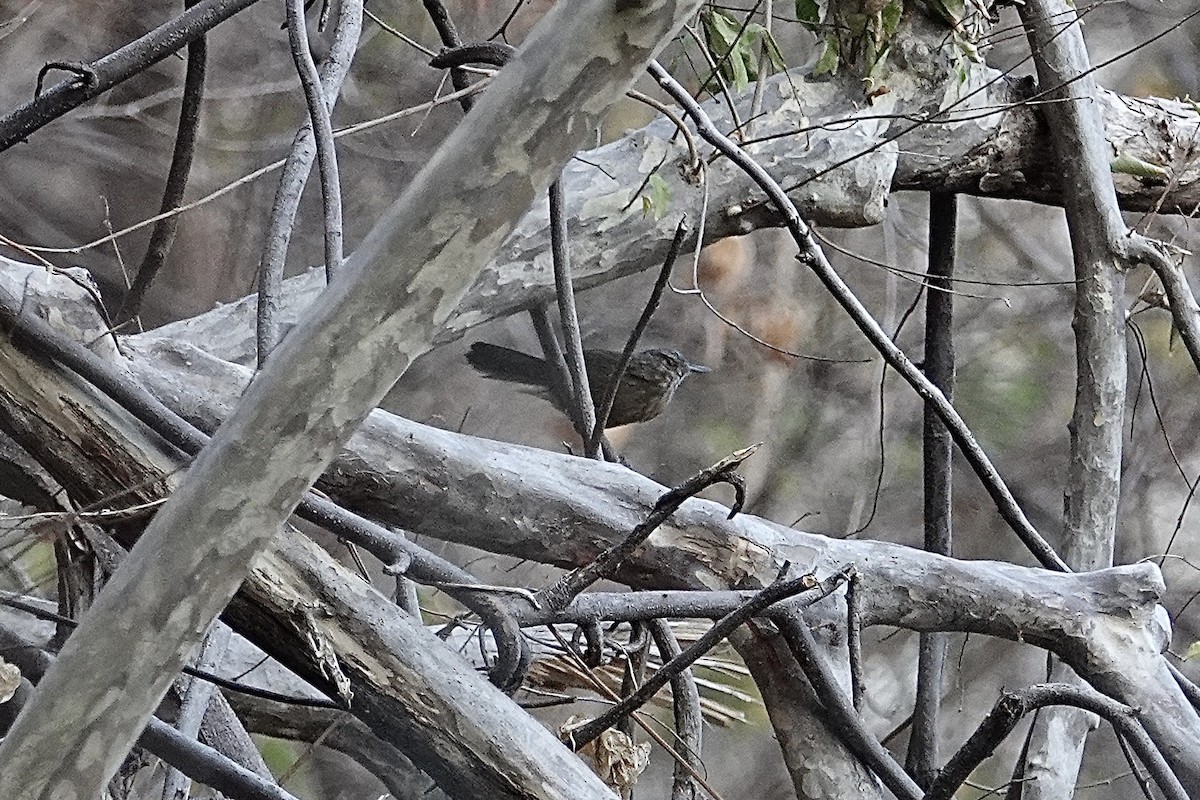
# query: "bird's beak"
698,368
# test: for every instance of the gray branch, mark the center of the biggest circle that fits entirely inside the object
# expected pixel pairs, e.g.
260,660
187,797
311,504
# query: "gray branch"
1098,233
513,500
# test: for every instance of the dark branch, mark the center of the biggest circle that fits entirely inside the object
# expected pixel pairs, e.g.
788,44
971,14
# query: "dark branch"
163,235
723,627
1012,706
561,593
117,67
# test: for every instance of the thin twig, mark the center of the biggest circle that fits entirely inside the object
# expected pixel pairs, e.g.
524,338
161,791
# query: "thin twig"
201,763
812,256
715,72
634,673
565,292
1143,781
614,382
322,125
764,65
502,31
694,164
558,595
774,593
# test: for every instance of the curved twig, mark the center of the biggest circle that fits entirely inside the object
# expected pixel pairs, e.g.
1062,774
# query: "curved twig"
1181,302
163,235
1012,706
495,53
322,126
721,629
558,595
448,33
296,168
116,67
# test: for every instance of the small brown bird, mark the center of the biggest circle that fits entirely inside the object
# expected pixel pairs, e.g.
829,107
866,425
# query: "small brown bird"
649,382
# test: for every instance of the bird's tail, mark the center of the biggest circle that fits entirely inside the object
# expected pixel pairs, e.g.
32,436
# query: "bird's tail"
505,364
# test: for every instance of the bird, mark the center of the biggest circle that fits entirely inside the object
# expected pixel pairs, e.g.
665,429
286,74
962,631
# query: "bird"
649,382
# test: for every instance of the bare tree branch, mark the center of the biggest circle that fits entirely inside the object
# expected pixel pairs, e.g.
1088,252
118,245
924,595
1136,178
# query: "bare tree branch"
1014,705
163,235
268,327
117,67
317,101
938,475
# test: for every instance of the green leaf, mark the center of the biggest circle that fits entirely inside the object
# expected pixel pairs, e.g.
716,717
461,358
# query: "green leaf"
738,67
827,64
808,13
1192,651
656,198
720,31
729,50
1132,165
873,82
890,17
774,54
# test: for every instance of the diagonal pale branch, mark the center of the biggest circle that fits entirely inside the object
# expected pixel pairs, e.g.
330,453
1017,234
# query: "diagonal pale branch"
300,605
513,499
393,297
